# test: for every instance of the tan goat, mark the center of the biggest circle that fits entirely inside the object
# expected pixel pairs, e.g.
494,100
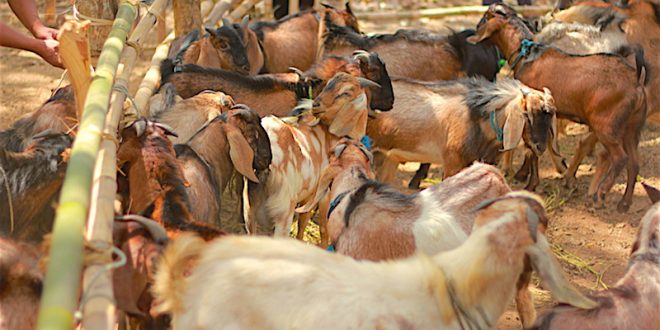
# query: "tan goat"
300,150
457,122
266,283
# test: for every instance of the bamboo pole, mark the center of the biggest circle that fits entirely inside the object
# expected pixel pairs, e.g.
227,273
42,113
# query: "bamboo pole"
75,55
443,12
62,281
152,77
241,10
219,10
268,9
99,313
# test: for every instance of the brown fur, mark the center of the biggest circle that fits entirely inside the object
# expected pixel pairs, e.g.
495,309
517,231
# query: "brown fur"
612,103
408,53
155,179
20,285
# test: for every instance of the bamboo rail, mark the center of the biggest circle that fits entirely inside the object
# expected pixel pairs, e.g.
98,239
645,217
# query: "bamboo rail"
241,10
99,312
443,12
62,281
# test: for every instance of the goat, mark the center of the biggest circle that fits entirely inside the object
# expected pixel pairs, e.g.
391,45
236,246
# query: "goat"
278,94
155,181
615,112
414,53
219,148
292,41
57,114
221,48
460,122
368,220
186,116
300,151
20,284
467,286
633,302
29,184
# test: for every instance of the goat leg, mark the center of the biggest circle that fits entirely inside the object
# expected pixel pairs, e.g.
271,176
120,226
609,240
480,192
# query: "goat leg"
617,161
524,299
533,182
525,169
421,174
633,169
303,221
585,147
324,205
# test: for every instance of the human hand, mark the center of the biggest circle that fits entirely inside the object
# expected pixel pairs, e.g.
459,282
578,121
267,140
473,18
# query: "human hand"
44,33
49,50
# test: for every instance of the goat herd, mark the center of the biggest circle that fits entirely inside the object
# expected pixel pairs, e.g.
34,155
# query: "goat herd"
257,122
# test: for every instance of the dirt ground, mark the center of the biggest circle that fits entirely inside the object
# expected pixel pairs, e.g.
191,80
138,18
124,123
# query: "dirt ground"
593,244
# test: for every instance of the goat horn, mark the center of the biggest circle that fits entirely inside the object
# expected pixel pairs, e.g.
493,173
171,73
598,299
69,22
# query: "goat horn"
140,126
156,231
226,22
367,83
361,55
44,134
524,92
296,71
167,128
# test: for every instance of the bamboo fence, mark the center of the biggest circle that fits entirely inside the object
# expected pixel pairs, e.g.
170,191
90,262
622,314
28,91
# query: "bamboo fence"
62,281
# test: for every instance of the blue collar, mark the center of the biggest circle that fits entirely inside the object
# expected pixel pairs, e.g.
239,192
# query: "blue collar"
525,47
493,123
335,201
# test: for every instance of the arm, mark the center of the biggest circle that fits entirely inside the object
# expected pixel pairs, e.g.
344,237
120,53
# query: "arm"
47,49
26,11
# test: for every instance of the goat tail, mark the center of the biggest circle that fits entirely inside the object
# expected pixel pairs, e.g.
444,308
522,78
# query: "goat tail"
641,66
170,278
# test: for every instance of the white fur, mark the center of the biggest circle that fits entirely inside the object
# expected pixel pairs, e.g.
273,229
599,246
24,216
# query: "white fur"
436,229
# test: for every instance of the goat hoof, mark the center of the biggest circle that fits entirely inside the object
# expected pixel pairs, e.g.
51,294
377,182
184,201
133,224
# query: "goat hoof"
623,206
563,167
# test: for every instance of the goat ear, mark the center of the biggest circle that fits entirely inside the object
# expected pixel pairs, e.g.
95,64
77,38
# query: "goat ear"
240,152
514,125
554,144
549,272
328,175
484,32
209,30
652,192
348,8
245,21
226,22
140,126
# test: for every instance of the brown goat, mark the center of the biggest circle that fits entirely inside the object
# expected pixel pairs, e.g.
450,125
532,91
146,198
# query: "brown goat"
20,284
186,116
215,152
34,178
278,94
615,111
156,185
57,114
633,302
292,40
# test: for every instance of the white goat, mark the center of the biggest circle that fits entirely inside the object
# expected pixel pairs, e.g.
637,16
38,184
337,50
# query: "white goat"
300,150
255,282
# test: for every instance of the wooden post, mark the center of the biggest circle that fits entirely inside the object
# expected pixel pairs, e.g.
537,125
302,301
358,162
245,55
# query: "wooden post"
62,282
294,6
50,17
187,16
100,13
268,9
74,52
